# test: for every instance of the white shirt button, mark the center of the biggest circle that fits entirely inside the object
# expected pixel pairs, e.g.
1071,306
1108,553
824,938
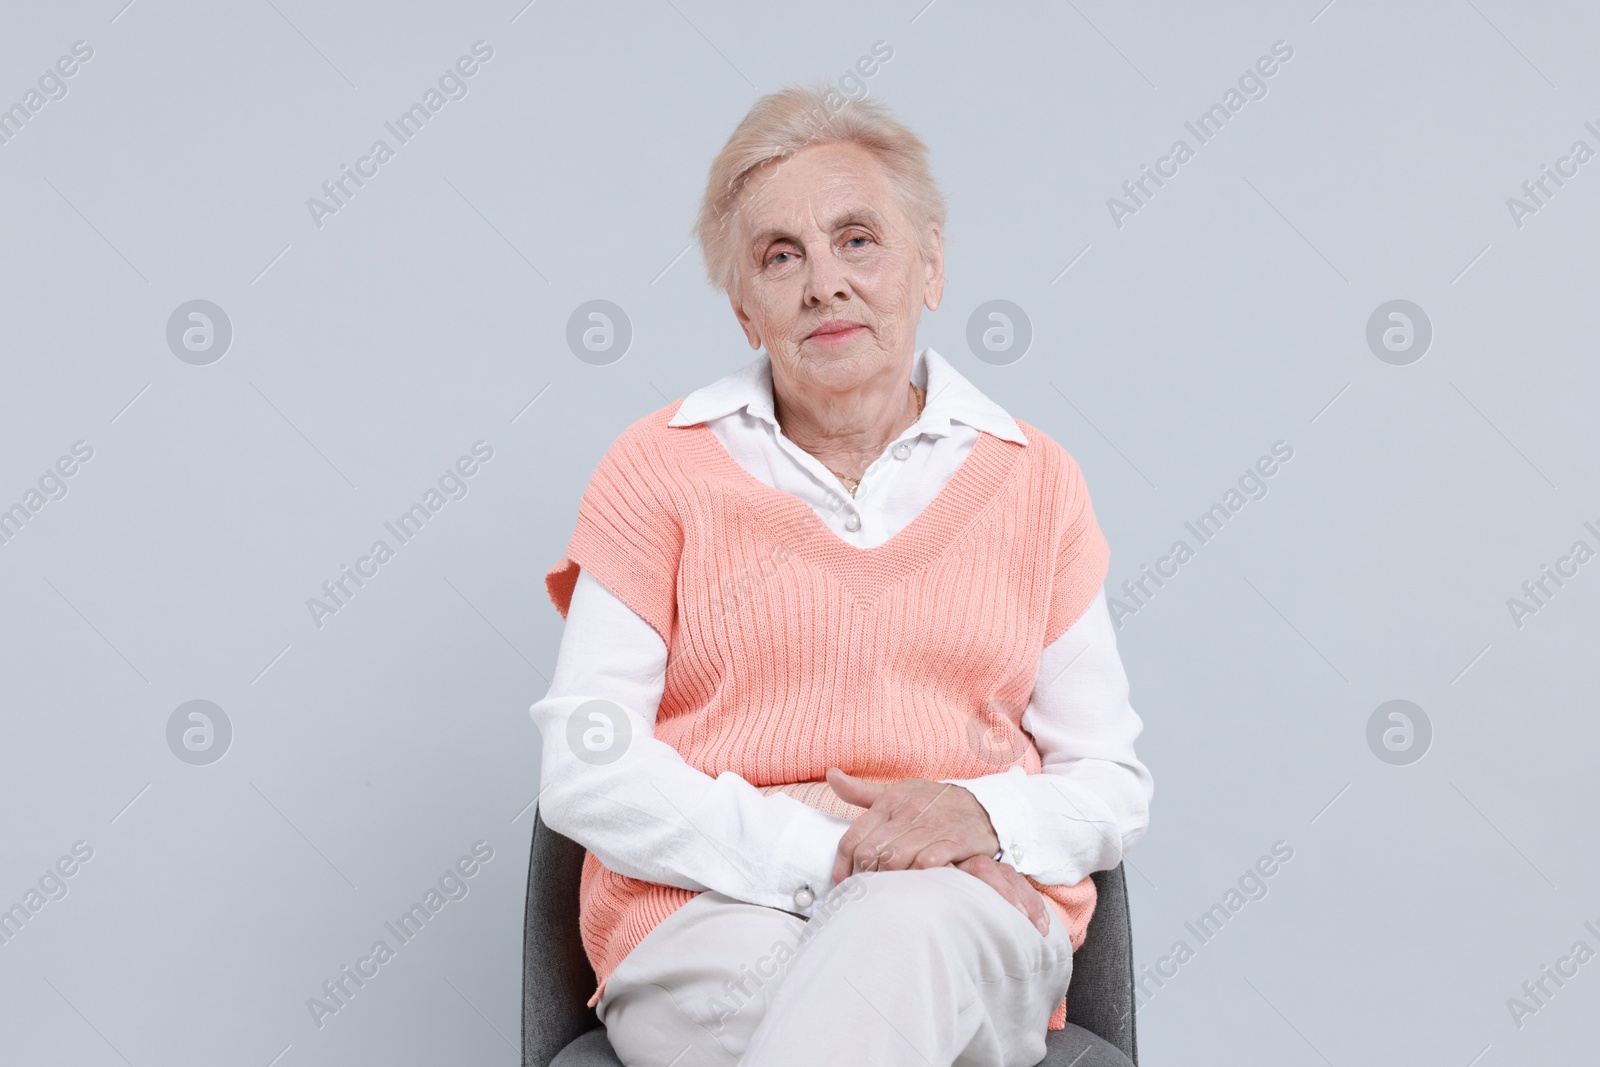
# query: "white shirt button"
902,450
803,897
1016,853
853,523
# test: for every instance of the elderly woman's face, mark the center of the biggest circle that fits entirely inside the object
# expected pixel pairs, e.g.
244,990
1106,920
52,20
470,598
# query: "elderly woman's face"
830,276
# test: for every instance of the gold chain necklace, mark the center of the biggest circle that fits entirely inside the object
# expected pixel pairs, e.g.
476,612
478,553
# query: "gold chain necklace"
852,484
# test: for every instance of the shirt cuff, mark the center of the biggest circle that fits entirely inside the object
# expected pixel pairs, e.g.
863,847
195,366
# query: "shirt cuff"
809,847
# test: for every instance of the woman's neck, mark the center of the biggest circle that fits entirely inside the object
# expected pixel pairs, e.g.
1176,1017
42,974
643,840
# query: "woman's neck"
847,431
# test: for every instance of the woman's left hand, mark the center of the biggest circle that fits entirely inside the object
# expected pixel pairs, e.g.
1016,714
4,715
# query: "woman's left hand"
913,823
1010,884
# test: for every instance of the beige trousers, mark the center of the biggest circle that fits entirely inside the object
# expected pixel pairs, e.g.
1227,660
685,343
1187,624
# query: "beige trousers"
919,967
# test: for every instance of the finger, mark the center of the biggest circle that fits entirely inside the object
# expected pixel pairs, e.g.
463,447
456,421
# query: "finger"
905,831
1013,887
946,849
908,818
853,790
893,844
864,825
1031,899
844,865
922,848
923,835
876,855
903,820
845,787
1037,911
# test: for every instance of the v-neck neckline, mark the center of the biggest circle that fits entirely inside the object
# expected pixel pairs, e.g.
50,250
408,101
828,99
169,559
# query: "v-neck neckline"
968,492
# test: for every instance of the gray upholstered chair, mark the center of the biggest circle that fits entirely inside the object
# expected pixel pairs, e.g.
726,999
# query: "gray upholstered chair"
560,1030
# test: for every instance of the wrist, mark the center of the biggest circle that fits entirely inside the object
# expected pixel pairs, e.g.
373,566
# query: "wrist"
988,843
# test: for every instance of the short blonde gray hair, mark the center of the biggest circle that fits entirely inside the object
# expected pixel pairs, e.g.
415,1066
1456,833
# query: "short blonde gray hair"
782,123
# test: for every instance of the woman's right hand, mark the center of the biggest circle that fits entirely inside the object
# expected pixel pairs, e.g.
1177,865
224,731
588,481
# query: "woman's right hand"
1006,881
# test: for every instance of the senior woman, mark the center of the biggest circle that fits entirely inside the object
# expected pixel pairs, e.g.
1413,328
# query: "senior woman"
838,714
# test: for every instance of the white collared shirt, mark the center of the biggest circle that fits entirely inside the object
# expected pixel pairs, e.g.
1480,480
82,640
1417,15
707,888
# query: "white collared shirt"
895,487
649,815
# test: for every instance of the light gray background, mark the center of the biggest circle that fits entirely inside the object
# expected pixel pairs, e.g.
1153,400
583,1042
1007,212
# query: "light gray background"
431,312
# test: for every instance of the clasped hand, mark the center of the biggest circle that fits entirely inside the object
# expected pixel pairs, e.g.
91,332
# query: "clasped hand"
916,823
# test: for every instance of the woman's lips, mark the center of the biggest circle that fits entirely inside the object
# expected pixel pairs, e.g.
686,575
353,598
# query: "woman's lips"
833,333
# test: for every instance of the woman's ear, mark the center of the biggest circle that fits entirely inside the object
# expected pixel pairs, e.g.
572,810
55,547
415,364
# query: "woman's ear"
933,286
746,323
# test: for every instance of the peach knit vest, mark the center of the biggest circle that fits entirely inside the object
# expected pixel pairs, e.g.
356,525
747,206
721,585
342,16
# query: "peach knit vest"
791,651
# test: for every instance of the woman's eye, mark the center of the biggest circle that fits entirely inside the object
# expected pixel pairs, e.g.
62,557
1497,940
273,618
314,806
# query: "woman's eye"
851,243
778,260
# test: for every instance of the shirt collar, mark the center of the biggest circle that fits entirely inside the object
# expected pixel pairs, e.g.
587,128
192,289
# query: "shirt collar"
951,398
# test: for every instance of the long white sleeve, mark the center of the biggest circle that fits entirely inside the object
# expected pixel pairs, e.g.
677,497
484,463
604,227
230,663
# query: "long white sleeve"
1092,801
630,798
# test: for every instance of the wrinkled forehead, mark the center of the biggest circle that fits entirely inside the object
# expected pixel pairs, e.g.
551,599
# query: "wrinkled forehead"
820,188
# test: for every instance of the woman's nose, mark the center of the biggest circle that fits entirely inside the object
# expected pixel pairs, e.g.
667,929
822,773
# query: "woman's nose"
827,280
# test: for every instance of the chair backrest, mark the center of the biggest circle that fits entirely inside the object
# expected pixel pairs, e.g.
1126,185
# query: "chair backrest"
1100,996
557,979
